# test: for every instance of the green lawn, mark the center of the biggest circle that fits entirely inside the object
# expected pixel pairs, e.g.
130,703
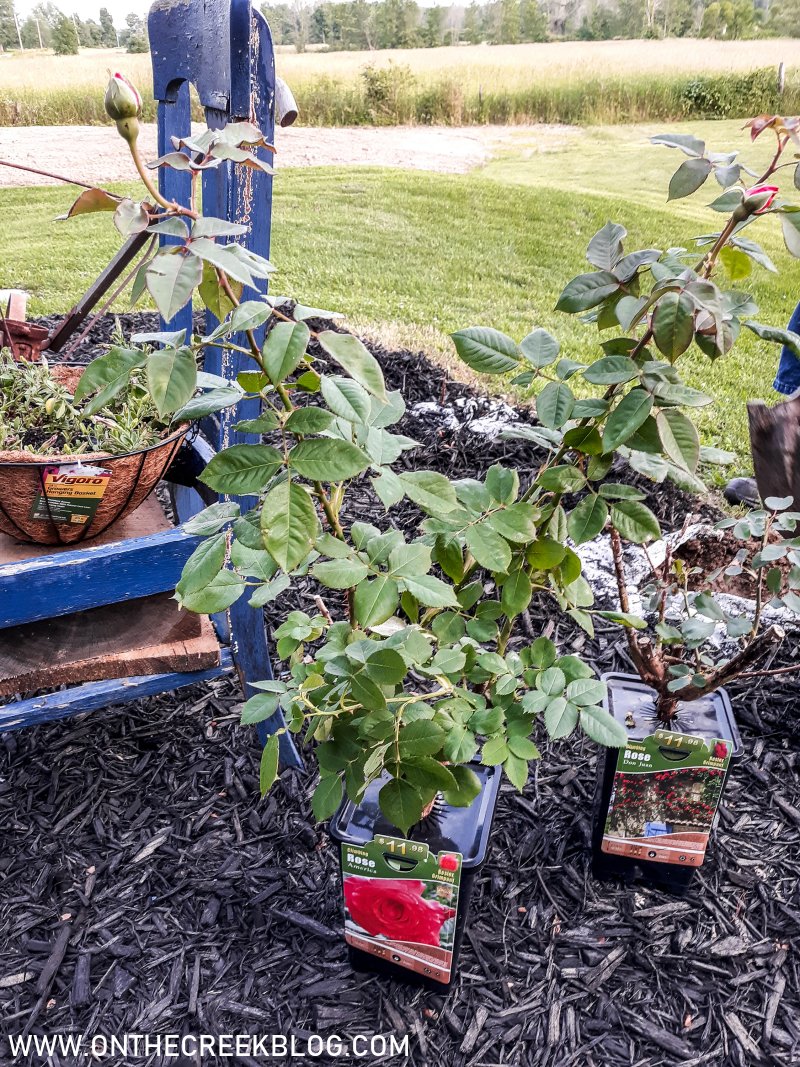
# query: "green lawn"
433,253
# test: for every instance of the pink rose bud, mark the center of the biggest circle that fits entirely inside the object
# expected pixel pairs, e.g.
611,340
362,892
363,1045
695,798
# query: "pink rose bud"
759,199
122,99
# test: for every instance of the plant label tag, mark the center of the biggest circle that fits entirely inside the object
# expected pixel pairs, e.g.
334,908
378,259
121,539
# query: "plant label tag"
664,798
70,494
401,903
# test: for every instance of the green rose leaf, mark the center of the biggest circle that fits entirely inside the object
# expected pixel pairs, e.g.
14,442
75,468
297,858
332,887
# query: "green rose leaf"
679,437
375,600
322,459
560,718
340,573
284,349
611,370
688,178
401,804
309,420
626,418
466,789
554,405
356,359
516,770
431,591
605,248
489,548
421,738
673,324
603,727
516,593
242,469
172,378
268,769
587,291
540,348
635,521
222,591
346,398
212,518
203,565
587,520
171,280
430,490
486,350
289,524
327,797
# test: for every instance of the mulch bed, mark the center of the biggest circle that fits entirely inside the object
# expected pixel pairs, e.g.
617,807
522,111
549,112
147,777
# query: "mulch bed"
145,888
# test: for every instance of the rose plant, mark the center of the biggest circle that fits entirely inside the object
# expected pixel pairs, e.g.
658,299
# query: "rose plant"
411,668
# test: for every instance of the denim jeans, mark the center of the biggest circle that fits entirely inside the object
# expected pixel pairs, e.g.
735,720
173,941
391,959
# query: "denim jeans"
788,379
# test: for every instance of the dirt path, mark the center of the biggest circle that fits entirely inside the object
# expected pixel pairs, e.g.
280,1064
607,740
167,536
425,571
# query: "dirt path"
96,154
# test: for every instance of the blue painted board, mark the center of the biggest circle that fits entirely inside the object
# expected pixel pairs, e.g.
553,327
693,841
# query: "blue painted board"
90,576
95,695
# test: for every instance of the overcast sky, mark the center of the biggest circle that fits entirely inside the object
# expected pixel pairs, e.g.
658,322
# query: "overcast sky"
89,9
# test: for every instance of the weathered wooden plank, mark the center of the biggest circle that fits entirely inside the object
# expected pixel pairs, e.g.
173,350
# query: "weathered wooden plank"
96,695
61,583
147,636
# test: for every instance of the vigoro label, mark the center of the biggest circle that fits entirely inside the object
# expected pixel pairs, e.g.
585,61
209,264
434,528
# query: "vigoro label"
70,495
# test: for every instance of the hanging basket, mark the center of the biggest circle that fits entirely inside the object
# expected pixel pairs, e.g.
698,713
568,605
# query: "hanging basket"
63,499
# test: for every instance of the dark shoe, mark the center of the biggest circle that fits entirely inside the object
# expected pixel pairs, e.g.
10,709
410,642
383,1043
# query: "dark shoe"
742,491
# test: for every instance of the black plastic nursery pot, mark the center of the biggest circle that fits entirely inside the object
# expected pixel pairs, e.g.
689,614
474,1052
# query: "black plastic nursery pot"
407,897
655,800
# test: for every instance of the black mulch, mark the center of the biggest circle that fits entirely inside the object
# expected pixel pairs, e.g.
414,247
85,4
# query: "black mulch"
147,889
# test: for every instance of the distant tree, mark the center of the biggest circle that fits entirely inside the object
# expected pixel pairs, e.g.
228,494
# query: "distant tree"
732,19
301,20
784,18
397,23
8,26
65,37
472,29
532,21
88,32
136,37
108,35
432,32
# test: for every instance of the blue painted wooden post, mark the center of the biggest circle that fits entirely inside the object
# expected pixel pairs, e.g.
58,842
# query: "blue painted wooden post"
230,61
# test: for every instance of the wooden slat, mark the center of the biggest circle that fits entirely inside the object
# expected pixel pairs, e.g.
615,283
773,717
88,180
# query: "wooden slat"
97,695
147,519
37,586
147,636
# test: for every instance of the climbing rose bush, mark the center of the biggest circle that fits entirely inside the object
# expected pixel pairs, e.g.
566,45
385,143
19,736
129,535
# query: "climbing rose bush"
410,668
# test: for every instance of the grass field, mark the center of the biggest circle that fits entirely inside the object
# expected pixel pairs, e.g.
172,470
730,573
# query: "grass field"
576,81
414,256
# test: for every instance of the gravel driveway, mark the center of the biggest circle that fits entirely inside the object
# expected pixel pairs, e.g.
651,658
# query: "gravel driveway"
97,154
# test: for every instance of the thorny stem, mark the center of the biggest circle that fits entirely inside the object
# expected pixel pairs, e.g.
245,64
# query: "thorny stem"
55,177
760,585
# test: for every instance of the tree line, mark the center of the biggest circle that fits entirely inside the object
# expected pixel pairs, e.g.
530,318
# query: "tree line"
47,26
363,25
369,24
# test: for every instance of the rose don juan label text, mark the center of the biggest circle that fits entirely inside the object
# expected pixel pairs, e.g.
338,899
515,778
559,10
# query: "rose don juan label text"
665,795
